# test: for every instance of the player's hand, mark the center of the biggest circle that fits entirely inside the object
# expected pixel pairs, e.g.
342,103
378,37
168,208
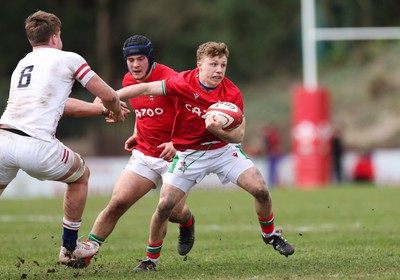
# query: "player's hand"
130,143
169,151
213,124
123,104
116,117
124,110
234,135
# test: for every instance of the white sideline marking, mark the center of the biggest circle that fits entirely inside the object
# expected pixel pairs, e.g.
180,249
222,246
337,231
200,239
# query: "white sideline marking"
29,218
306,228
328,227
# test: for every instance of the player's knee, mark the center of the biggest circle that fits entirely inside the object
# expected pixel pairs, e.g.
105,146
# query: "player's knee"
165,207
177,215
81,174
261,195
117,207
85,176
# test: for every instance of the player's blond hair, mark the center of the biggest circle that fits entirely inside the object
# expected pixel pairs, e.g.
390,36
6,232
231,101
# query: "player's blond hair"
40,26
212,49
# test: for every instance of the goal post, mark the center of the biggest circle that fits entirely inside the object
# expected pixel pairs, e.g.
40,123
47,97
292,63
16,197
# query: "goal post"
311,119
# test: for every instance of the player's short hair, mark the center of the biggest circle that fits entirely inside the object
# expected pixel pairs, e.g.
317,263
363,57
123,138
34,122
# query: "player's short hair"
40,26
212,49
139,45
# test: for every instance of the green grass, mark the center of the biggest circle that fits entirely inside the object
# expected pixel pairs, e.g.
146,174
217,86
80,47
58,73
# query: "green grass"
349,232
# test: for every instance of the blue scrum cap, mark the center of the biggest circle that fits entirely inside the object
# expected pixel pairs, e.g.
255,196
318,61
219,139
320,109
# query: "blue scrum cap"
139,45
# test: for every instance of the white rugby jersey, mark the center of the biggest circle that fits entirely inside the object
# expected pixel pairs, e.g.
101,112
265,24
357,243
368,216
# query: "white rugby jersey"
40,86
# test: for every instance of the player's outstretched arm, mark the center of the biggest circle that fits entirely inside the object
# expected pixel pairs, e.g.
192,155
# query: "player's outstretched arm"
153,88
79,108
108,96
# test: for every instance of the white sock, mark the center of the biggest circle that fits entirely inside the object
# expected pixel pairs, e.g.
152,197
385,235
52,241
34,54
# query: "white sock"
71,225
265,235
153,260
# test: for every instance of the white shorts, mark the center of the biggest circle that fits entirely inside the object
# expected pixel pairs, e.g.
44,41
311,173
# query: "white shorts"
149,167
40,159
191,166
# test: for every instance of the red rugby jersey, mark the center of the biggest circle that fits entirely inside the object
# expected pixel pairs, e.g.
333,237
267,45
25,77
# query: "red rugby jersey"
154,114
192,103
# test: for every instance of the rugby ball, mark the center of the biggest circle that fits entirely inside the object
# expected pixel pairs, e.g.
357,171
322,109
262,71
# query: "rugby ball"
228,113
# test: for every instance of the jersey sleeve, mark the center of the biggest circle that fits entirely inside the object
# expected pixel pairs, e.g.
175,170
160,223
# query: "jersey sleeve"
171,85
81,69
239,101
235,95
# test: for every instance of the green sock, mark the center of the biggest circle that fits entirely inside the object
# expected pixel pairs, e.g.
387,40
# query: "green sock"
96,238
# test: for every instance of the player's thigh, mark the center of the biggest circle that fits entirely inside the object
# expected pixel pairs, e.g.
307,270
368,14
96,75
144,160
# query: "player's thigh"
232,163
48,160
7,175
130,187
8,159
252,181
78,172
148,167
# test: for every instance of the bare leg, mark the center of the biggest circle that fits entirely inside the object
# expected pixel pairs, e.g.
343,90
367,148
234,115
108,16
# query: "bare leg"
76,193
72,252
129,188
181,212
252,181
169,197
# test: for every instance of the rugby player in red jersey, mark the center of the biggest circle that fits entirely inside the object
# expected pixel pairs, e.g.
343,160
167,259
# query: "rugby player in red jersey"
150,145
204,147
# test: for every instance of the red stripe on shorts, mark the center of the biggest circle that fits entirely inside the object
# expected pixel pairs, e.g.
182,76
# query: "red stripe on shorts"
65,156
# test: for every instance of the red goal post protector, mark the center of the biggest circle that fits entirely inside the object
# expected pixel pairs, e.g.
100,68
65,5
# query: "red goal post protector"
311,136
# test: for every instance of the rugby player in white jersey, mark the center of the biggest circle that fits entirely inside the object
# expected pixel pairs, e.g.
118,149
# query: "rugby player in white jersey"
40,86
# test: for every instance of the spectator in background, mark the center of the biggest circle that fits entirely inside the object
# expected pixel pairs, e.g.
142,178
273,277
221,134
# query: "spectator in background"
337,154
272,143
364,170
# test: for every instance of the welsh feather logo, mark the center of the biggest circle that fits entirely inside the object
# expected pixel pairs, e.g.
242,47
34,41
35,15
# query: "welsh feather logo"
183,166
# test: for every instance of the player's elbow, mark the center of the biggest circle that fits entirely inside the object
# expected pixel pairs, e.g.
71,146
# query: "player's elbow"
238,138
239,134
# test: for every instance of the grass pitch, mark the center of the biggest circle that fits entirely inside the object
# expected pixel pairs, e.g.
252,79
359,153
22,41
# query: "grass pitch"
345,232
